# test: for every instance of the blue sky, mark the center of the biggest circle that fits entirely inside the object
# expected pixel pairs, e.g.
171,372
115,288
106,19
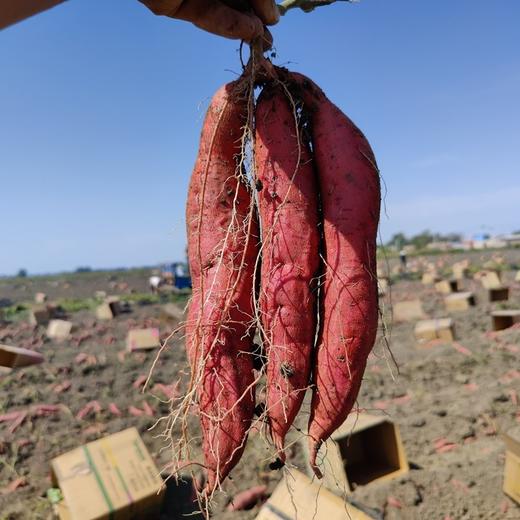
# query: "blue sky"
101,105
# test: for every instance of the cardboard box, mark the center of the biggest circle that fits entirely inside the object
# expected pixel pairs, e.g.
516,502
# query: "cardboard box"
429,278
512,465
504,319
111,478
490,280
142,339
15,357
498,294
40,297
408,310
298,498
428,330
382,286
459,301
39,315
59,329
365,449
171,314
447,286
460,271
108,310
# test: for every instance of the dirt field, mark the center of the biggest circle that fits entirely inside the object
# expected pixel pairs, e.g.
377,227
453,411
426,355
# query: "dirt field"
450,400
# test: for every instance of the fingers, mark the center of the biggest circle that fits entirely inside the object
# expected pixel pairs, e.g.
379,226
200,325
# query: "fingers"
267,40
218,18
162,7
266,10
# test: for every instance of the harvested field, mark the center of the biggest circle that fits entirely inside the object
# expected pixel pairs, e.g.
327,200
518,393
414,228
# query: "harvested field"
450,400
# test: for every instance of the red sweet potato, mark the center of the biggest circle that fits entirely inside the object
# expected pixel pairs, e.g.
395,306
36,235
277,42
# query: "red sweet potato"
247,499
350,196
222,250
288,210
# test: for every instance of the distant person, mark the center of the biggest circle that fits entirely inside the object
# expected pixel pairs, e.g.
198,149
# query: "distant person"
214,16
402,257
155,283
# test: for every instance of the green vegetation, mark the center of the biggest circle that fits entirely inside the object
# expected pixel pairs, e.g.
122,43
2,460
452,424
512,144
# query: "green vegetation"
150,299
421,240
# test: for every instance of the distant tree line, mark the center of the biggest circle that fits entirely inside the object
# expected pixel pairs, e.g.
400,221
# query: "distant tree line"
421,240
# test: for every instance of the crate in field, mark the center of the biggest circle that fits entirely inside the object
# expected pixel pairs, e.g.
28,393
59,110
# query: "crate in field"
113,477
460,270
428,330
16,357
365,449
171,314
40,297
430,277
504,319
382,286
409,310
59,329
297,497
109,309
447,286
142,339
512,465
459,301
490,280
498,294
39,315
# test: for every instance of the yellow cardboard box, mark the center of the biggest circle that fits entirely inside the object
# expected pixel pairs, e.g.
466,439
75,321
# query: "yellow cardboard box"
382,286
459,301
512,466
171,314
430,277
39,315
40,297
59,329
142,339
447,286
109,309
498,294
298,498
427,330
505,318
15,357
408,310
111,478
490,280
365,449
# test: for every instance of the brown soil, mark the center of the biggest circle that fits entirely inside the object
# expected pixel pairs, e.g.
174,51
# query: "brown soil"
462,398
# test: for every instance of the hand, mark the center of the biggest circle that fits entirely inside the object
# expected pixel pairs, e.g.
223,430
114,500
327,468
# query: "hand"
236,19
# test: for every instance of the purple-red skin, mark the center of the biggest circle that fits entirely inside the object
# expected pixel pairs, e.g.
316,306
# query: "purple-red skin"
350,196
222,251
288,211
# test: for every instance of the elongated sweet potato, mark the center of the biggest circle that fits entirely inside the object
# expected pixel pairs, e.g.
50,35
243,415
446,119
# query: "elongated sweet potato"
350,196
222,249
288,210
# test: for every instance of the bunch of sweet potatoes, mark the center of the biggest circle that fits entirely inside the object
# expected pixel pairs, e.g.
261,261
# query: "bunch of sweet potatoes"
281,242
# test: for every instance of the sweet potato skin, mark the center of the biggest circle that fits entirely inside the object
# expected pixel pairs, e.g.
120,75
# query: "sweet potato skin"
222,249
350,196
288,211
